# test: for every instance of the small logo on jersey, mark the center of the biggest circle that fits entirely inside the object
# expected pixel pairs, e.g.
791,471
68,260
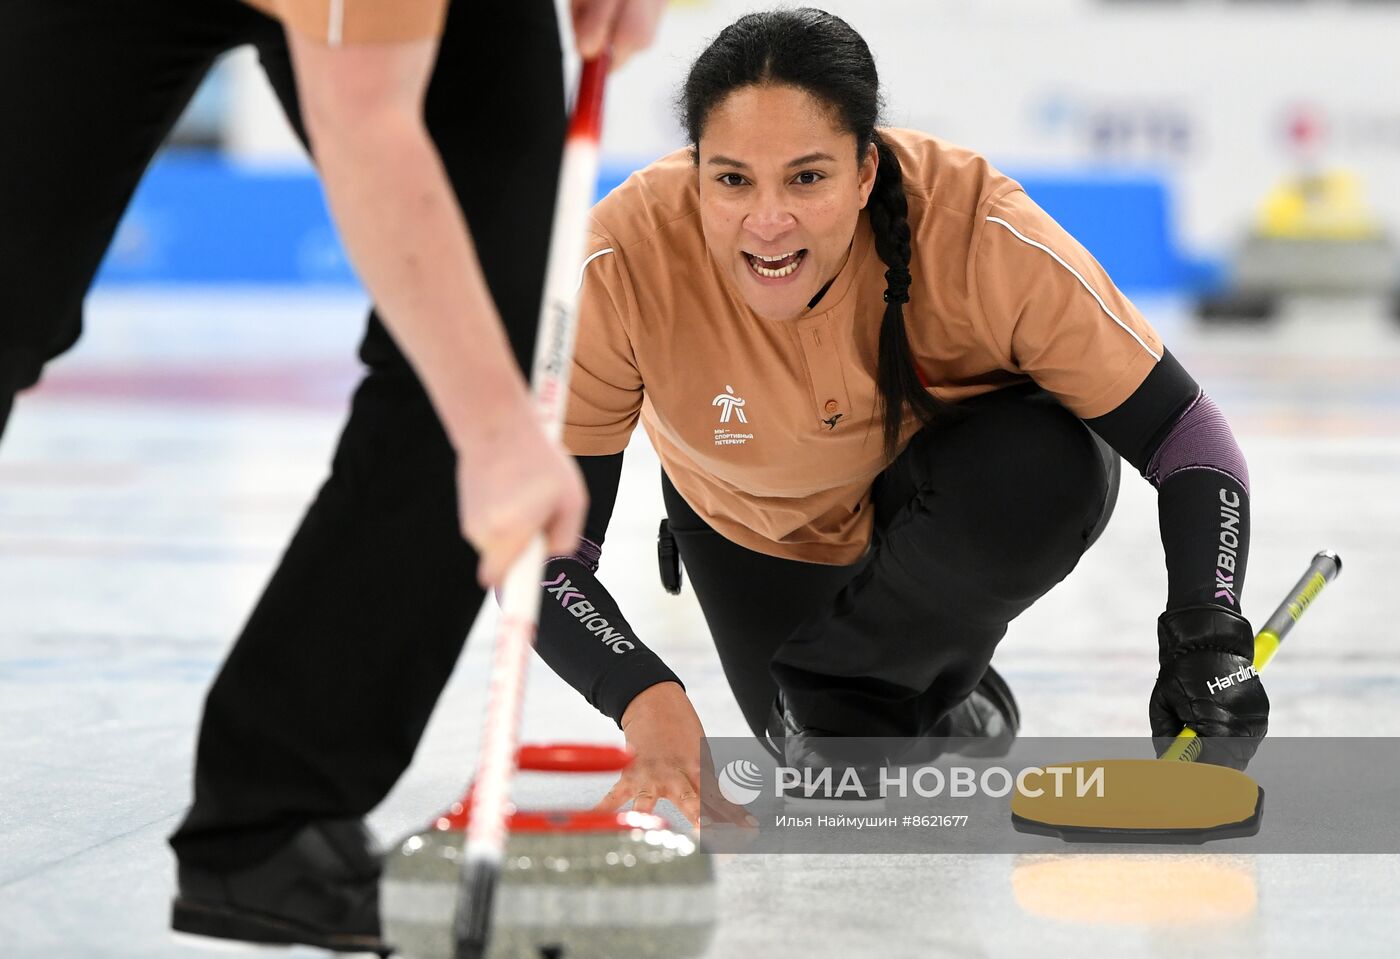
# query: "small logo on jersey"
740,782
731,408
831,423
729,405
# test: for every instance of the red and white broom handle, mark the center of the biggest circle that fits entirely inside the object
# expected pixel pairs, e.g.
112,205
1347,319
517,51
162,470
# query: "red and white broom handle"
520,598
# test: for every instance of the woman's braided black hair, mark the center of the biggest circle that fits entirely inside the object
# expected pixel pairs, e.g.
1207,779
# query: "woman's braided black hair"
819,53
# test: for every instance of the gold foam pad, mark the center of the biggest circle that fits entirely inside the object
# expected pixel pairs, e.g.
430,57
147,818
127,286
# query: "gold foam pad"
1138,794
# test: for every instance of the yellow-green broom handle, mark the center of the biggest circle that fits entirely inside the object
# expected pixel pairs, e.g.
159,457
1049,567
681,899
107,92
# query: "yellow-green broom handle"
1324,568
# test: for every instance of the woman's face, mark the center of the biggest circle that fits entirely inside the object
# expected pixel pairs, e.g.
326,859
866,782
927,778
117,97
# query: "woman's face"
780,194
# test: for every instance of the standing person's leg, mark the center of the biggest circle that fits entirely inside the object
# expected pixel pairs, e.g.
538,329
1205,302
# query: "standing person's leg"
976,520
89,91
322,700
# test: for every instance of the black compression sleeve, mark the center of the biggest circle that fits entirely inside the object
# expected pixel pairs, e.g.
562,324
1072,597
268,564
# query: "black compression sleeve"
583,635
1203,499
1204,516
1137,426
601,475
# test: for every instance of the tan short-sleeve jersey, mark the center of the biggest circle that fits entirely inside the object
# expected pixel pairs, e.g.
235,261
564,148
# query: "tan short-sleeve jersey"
359,21
770,429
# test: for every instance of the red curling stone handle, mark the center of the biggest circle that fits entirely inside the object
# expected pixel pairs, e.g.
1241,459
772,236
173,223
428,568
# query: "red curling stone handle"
574,758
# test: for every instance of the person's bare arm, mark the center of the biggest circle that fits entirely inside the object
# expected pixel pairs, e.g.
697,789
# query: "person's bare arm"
405,233
622,27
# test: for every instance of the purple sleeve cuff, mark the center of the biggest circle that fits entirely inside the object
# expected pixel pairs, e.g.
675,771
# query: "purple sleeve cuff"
1199,439
588,553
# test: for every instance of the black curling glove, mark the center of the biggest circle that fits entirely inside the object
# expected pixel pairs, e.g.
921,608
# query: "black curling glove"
1207,681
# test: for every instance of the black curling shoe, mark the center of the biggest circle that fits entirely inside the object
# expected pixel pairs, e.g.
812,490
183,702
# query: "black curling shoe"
833,771
321,889
989,715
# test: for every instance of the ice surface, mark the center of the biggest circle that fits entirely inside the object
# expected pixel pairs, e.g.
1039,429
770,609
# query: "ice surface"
147,489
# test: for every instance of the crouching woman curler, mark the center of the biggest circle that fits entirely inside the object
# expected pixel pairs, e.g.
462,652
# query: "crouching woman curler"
889,395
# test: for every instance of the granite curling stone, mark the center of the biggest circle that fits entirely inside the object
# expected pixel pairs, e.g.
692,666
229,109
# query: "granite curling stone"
575,884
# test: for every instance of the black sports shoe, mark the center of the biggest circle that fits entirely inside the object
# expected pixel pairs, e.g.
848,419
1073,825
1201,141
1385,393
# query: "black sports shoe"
321,889
982,726
833,768
989,714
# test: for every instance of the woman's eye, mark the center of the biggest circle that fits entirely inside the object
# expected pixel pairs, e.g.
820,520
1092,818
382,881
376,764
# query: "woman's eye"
731,179
808,177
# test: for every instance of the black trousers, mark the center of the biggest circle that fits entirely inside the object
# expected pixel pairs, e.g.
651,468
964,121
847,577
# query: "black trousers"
975,521
322,701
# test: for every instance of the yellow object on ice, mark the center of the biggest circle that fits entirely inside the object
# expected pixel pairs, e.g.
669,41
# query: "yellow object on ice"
1326,206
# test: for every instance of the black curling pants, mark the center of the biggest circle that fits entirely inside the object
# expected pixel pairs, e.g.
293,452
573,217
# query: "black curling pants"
322,700
975,521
